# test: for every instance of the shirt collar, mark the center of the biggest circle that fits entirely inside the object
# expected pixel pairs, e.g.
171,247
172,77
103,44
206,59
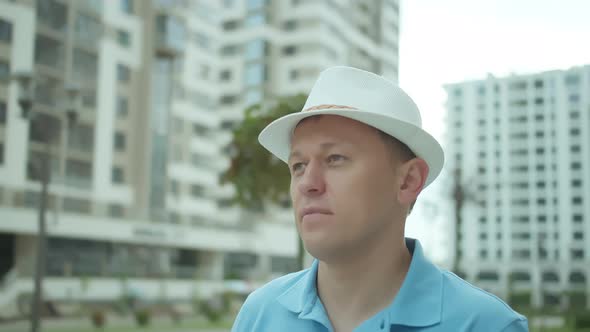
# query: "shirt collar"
418,302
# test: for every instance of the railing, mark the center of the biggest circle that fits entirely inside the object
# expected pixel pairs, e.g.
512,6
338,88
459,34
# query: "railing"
8,291
9,278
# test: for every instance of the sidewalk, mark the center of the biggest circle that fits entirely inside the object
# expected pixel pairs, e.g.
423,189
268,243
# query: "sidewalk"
117,324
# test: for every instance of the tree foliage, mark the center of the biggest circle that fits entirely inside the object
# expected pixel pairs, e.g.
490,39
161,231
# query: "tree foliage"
257,175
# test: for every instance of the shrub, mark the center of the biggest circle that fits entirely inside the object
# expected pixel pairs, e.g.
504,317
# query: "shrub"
98,318
213,308
175,316
142,317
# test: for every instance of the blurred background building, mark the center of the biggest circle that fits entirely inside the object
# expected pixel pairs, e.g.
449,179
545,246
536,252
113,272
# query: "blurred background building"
523,146
134,199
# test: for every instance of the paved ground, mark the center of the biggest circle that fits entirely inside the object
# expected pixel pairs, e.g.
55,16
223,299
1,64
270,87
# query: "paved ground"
114,324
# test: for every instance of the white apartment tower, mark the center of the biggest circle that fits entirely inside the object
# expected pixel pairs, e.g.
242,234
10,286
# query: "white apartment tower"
134,191
522,144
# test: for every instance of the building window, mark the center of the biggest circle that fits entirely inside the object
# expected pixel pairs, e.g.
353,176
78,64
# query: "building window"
49,52
202,41
289,50
1,153
577,254
203,72
76,205
78,173
87,29
255,20
253,96
85,66
5,31
230,25
123,73
483,254
487,275
89,98
290,25
116,211
229,50
228,99
174,188
577,200
197,191
255,74
174,218
117,175
575,148
122,107
253,5
123,38
2,112
572,80
256,49
81,137
53,14
120,141
225,75
127,6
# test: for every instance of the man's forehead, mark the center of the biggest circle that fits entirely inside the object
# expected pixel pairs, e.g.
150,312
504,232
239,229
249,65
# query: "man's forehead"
323,146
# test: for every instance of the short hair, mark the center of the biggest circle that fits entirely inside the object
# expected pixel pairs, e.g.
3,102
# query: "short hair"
399,150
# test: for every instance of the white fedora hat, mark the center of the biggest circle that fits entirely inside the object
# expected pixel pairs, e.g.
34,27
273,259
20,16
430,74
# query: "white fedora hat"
364,97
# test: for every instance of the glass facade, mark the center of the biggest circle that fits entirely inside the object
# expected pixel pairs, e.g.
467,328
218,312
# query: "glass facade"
255,74
49,52
5,31
52,14
87,29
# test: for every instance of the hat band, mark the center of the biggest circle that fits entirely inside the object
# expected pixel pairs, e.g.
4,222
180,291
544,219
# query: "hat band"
327,106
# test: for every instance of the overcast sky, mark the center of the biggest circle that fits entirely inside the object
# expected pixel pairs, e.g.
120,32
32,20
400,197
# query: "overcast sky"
455,40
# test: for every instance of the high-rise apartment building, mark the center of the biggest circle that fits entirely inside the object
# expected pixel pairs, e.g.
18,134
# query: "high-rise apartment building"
522,145
134,190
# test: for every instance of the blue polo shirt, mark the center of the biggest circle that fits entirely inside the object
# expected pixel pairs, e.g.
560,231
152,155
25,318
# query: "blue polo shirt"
430,299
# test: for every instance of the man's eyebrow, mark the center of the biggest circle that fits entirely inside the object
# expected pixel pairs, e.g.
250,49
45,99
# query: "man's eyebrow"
323,146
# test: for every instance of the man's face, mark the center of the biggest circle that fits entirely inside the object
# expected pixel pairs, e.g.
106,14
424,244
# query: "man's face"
343,186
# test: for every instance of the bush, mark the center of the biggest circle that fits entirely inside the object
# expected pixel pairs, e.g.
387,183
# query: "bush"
581,320
142,317
175,316
98,318
213,309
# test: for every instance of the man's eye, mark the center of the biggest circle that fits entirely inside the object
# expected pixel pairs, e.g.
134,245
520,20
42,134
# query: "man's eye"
297,167
335,158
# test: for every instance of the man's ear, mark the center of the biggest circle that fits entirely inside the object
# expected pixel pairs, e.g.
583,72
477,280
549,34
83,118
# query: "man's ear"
413,176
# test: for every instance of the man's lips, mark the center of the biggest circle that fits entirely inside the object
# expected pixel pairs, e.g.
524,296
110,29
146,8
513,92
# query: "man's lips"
314,210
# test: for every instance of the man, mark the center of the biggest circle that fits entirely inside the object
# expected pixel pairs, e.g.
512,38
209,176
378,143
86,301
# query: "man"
358,159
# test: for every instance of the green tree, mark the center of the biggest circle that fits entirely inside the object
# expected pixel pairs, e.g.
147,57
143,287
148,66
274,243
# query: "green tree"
259,177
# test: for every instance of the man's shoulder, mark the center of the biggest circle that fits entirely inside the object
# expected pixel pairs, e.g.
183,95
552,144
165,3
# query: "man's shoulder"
274,288
261,310
462,297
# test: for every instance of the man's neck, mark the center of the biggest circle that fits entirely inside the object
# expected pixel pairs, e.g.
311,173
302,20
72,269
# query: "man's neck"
356,289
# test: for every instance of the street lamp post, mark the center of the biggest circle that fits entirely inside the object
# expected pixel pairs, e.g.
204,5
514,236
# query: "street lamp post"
25,83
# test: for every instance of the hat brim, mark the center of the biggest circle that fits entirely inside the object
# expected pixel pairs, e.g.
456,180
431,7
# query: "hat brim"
276,137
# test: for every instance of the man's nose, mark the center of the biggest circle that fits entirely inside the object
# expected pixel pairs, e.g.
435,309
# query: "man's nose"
312,181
